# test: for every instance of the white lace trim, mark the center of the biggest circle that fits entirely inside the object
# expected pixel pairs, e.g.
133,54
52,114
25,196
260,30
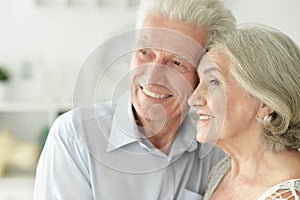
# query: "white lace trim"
288,190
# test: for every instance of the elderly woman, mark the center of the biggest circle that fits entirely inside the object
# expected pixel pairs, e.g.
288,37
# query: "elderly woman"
248,104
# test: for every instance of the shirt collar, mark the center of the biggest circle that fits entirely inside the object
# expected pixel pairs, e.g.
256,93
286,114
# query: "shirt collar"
125,131
186,138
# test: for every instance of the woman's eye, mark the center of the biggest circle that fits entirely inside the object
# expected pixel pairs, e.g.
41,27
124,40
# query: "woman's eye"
214,82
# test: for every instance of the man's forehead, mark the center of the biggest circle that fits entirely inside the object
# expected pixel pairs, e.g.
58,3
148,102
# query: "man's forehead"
166,37
172,41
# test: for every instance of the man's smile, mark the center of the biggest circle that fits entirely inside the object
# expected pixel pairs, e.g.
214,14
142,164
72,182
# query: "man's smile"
155,95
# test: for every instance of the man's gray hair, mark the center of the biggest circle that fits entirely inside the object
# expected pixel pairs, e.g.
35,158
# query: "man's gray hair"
211,14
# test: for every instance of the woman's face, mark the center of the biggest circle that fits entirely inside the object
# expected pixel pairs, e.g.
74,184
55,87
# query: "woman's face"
223,108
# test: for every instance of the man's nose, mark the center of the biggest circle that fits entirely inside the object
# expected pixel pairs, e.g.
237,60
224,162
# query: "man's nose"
156,71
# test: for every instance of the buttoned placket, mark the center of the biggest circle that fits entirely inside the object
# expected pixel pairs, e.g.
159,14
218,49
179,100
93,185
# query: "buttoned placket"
168,184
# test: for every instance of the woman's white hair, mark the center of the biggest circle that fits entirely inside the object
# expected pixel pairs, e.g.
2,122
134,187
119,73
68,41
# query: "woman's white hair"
209,13
266,63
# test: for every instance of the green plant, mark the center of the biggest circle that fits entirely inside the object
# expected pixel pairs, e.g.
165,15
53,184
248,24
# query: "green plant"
4,75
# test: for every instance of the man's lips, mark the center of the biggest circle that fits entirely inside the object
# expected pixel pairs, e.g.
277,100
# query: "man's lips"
155,95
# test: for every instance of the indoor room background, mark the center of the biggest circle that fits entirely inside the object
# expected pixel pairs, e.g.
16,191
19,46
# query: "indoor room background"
43,44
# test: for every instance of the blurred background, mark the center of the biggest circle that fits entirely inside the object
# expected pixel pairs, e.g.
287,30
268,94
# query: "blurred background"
43,44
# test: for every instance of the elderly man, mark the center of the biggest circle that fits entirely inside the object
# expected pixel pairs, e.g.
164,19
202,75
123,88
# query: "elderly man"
141,146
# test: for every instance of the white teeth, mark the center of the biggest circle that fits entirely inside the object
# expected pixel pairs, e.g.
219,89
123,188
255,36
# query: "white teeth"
203,117
154,95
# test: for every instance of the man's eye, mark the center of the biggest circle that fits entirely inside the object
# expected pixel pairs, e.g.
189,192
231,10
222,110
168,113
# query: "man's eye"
144,55
177,63
143,51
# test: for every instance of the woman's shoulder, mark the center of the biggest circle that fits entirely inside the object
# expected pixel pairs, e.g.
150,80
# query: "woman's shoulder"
218,171
216,175
287,190
222,165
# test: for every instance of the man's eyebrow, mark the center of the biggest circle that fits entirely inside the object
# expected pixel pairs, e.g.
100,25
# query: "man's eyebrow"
178,56
143,42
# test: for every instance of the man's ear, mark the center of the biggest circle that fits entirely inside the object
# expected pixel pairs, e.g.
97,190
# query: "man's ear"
264,111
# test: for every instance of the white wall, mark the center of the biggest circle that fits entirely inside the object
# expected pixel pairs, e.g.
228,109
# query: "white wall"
281,14
57,33
51,42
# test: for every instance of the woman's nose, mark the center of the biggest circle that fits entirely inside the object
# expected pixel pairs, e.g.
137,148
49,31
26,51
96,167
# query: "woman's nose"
198,96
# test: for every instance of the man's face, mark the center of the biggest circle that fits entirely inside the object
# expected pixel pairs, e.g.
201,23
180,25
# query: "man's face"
163,68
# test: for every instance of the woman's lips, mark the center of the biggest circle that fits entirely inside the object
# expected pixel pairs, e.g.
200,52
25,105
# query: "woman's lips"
205,117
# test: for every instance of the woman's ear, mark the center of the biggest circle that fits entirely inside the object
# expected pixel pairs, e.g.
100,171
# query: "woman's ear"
264,111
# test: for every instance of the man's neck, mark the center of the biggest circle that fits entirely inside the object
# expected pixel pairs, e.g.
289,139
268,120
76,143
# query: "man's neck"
160,133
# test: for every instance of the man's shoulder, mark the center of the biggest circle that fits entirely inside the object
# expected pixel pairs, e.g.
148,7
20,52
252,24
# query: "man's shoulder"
81,115
86,113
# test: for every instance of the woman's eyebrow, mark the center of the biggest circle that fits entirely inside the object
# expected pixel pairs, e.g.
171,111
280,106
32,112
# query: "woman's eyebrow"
210,69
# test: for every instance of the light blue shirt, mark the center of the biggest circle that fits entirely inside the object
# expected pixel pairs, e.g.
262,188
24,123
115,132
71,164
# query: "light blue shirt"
98,153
